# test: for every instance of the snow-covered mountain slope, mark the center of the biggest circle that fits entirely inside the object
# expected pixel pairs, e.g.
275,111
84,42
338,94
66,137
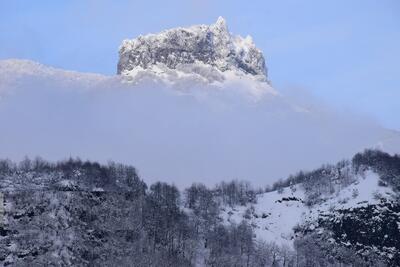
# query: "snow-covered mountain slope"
16,71
209,51
184,79
277,213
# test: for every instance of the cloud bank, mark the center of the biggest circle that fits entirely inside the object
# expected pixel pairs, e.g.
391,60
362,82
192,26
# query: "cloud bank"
191,132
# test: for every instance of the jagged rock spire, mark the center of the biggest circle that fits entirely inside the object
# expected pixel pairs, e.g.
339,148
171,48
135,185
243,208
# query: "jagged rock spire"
221,23
212,45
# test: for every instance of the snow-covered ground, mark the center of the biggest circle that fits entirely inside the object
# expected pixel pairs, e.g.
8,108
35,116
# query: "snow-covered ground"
276,214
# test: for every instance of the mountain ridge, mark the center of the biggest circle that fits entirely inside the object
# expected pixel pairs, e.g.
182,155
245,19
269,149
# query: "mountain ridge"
211,45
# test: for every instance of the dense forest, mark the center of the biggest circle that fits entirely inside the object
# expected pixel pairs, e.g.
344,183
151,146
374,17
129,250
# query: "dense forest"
83,213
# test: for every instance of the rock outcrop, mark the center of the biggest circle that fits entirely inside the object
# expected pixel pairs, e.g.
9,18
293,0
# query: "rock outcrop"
210,45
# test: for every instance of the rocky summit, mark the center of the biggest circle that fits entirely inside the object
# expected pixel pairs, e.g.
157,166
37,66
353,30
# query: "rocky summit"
205,45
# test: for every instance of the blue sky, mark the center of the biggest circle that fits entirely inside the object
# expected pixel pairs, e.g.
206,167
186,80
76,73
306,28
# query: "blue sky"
344,52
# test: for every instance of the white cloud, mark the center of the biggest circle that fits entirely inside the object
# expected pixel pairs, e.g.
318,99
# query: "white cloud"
205,134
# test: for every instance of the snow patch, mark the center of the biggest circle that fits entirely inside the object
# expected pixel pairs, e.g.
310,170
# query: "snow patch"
275,214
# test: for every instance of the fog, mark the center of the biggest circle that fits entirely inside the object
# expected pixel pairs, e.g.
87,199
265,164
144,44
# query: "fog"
194,133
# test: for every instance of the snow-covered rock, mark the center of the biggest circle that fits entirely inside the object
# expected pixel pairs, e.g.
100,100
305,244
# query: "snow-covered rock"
208,50
276,214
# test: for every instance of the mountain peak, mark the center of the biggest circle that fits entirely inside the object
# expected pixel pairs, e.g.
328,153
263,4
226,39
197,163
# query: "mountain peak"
212,48
221,23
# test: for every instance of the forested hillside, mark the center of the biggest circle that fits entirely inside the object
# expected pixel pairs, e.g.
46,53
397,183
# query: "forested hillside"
84,213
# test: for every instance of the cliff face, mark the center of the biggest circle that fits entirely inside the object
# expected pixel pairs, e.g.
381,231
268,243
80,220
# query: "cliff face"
211,45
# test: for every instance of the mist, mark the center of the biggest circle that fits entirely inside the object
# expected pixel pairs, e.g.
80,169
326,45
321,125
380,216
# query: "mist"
194,133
